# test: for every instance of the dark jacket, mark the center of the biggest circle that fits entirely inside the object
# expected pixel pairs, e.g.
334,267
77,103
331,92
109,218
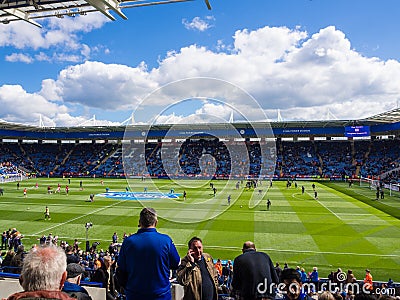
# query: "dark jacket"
253,275
101,275
17,262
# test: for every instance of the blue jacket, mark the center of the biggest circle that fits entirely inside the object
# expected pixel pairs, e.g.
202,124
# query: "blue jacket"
76,291
144,265
303,276
314,276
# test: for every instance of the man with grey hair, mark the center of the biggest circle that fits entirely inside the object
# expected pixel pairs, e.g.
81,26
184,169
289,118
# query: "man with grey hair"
145,261
43,274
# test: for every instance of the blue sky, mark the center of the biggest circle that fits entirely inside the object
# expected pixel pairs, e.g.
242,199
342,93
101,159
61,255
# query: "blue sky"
306,59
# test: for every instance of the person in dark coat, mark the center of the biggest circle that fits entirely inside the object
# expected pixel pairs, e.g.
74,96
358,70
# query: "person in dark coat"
254,274
105,275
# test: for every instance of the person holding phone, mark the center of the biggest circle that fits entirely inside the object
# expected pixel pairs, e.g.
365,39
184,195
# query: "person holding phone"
197,274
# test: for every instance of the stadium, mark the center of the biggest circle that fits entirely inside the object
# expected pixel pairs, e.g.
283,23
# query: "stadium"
338,220
313,195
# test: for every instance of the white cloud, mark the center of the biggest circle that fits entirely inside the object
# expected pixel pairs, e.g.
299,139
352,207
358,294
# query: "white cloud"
50,91
86,23
59,36
71,121
208,113
198,24
85,51
60,57
303,76
19,57
105,86
17,105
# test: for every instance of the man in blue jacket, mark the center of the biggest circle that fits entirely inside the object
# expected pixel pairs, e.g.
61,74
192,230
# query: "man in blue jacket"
145,261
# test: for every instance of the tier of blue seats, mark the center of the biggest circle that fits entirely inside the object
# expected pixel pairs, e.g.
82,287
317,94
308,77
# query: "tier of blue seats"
197,157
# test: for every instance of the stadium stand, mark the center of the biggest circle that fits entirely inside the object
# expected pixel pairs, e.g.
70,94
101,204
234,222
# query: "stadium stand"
325,159
325,149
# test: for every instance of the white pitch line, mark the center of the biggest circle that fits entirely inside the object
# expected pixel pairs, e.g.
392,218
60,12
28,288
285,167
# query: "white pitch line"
307,251
327,208
267,249
368,196
37,204
344,214
85,215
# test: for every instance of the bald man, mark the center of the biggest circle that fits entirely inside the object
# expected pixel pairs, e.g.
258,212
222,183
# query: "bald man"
254,274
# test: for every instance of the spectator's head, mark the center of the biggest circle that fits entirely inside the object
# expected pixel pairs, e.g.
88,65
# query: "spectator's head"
74,273
196,245
364,296
44,268
337,296
291,278
326,295
107,260
20,249
386,297
248,246
148,218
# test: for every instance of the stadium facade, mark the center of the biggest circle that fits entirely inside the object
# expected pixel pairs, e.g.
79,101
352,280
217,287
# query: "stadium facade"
315,149
386,124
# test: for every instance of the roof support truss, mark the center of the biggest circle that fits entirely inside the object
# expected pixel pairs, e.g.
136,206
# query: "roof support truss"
21,15
104,5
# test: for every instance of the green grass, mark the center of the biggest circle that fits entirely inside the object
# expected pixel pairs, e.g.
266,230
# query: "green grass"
344,228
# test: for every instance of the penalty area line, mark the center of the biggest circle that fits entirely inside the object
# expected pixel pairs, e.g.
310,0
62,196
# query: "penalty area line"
301,251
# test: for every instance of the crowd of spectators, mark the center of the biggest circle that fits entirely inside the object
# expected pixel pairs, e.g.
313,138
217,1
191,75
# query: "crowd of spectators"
10,172
96,263
208,157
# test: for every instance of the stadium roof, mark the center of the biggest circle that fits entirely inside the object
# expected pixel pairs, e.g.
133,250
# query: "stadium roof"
386,117
389,117
29,10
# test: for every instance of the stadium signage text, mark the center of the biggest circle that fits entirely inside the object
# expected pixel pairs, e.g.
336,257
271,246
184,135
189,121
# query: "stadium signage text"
138,195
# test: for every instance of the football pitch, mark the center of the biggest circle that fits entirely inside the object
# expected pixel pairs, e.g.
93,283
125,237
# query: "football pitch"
345,227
